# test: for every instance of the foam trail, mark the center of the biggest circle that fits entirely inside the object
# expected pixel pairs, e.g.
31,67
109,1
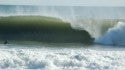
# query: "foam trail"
114,36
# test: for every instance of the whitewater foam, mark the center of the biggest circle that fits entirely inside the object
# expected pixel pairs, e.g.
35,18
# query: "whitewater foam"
114,36
61,59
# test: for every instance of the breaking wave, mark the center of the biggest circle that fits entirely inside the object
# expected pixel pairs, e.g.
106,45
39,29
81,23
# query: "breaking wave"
114,36
105,24
100,22
105,31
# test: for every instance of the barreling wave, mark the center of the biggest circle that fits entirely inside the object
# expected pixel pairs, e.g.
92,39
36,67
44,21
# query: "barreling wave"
105,31
41,28
96,21
96,27
49,29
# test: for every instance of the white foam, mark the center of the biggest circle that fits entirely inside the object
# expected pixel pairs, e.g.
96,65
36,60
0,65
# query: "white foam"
61,59
114,36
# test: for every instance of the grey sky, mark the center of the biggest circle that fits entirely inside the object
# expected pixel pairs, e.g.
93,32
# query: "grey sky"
65,2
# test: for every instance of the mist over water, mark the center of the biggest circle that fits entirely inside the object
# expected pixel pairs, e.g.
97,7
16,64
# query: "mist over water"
74,12
64,11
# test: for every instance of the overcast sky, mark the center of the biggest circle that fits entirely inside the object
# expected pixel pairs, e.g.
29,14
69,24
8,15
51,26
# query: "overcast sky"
65,2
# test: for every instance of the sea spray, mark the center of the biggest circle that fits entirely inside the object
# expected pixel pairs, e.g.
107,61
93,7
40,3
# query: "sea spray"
96,27
64,11
114,36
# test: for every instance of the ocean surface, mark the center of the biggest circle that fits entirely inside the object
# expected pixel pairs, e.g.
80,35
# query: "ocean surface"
105,24
61,57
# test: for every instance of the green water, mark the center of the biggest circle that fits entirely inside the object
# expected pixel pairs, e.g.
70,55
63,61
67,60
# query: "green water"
40,28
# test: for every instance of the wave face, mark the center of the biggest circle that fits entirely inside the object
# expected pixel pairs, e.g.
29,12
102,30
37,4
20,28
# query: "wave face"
41,28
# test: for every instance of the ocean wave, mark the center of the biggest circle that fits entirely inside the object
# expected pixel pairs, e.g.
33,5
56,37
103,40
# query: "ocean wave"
114,36
41,28
95,21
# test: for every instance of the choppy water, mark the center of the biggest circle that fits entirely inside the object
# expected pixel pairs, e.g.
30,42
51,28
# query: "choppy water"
60,57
